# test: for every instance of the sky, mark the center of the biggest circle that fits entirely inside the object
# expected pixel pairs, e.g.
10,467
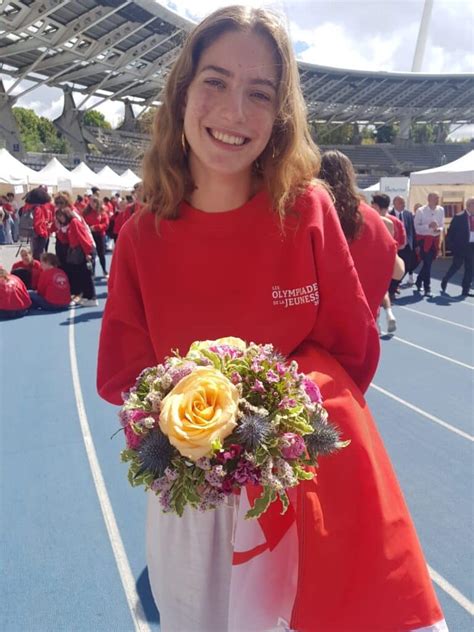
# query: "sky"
358,34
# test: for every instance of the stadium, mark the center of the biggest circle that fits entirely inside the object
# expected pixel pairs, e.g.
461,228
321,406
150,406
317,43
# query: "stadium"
122,50
74,555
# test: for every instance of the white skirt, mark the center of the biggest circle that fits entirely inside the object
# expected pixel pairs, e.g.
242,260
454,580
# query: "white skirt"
195,586
197,589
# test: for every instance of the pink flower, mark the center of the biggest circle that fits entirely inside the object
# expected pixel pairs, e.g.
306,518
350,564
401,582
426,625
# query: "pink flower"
312,390
272,376
287,402
137,415
235,378
226,350
258,387
232,452
293,445
133,440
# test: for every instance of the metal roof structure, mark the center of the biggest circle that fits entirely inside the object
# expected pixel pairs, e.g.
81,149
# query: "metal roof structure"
123,49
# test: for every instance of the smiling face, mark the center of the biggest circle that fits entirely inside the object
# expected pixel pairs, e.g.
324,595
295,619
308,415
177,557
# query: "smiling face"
231,106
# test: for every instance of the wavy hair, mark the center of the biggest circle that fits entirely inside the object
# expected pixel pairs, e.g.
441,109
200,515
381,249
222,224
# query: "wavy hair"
337,171
290,160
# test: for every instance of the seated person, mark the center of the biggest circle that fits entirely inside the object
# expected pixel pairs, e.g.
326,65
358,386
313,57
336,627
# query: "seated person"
27,269
54,292
14,299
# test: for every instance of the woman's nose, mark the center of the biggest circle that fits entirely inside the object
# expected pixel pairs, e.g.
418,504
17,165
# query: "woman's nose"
234,106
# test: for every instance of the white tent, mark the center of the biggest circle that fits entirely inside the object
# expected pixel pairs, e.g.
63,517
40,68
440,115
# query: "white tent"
453,181
82,177
51,174
12,171
130,178
109,180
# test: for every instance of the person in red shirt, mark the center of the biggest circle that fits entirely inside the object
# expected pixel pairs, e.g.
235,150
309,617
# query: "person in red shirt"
381,203
27,269
79,258
96,217
80,204
372,248
14,298
237,239
40,201
54,292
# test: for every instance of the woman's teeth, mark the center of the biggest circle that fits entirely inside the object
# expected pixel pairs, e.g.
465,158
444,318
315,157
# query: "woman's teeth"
227,138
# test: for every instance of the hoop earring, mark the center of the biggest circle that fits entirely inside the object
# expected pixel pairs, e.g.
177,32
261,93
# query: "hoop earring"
183,143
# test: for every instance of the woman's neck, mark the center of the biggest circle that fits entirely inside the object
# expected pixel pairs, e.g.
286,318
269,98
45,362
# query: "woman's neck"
221,193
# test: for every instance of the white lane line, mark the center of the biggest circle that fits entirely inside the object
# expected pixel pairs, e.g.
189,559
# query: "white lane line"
123,565
443,320
422,412
453,592
438,355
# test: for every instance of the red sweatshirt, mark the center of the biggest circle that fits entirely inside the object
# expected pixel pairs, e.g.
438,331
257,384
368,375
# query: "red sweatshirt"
400,233
78,235
98,222
373,253
125,215
53,285
34,267
43,220
13,294
234,275
207,275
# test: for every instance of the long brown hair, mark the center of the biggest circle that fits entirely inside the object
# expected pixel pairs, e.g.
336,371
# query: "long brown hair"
338,172
290,160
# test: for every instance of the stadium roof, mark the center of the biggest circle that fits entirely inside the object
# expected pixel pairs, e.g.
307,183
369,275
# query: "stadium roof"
123,49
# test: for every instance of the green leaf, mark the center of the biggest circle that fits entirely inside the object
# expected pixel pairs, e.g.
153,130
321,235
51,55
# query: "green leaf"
302,474
262,503
285,501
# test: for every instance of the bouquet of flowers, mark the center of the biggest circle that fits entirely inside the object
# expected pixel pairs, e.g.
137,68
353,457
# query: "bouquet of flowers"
200,427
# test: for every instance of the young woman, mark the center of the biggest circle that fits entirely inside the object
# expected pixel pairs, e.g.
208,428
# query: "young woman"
234,228
79,257
54,292
14,298
372,247
96,217
27,269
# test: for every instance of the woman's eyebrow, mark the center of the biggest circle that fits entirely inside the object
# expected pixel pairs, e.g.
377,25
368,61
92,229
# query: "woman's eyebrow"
228,73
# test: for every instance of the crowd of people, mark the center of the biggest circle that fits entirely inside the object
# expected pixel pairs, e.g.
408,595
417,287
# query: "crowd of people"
84,229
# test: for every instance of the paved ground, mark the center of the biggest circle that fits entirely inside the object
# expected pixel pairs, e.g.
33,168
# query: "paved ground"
72,531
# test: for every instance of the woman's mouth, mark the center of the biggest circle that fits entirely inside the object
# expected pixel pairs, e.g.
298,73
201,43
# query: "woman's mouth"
227,138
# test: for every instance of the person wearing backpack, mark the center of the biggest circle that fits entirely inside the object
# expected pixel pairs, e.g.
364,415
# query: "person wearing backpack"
27,269
36,221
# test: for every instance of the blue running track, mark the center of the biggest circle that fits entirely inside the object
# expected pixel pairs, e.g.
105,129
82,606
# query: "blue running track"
65,523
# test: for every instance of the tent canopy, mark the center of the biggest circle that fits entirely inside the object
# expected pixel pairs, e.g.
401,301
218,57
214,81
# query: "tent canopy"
129,179
51,173
460,171
12,171
109,180
82,177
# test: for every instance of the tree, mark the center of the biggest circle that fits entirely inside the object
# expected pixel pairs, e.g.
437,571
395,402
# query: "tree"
334,134
429,132
145,120
38,133
94,118
386,133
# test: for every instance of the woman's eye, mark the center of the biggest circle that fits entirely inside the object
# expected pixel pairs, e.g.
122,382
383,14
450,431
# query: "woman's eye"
215,83
261,96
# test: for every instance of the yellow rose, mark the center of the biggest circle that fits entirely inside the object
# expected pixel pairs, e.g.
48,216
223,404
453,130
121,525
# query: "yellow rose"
200,409
229,340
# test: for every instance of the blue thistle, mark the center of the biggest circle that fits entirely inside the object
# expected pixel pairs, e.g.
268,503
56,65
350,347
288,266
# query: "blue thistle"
155,453
252,432
324,438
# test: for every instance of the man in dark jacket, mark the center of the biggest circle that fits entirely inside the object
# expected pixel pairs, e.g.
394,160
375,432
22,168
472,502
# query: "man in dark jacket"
407,253
460,240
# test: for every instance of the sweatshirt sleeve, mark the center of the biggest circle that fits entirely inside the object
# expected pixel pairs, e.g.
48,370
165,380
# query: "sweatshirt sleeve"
344,327
125,347
80,234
